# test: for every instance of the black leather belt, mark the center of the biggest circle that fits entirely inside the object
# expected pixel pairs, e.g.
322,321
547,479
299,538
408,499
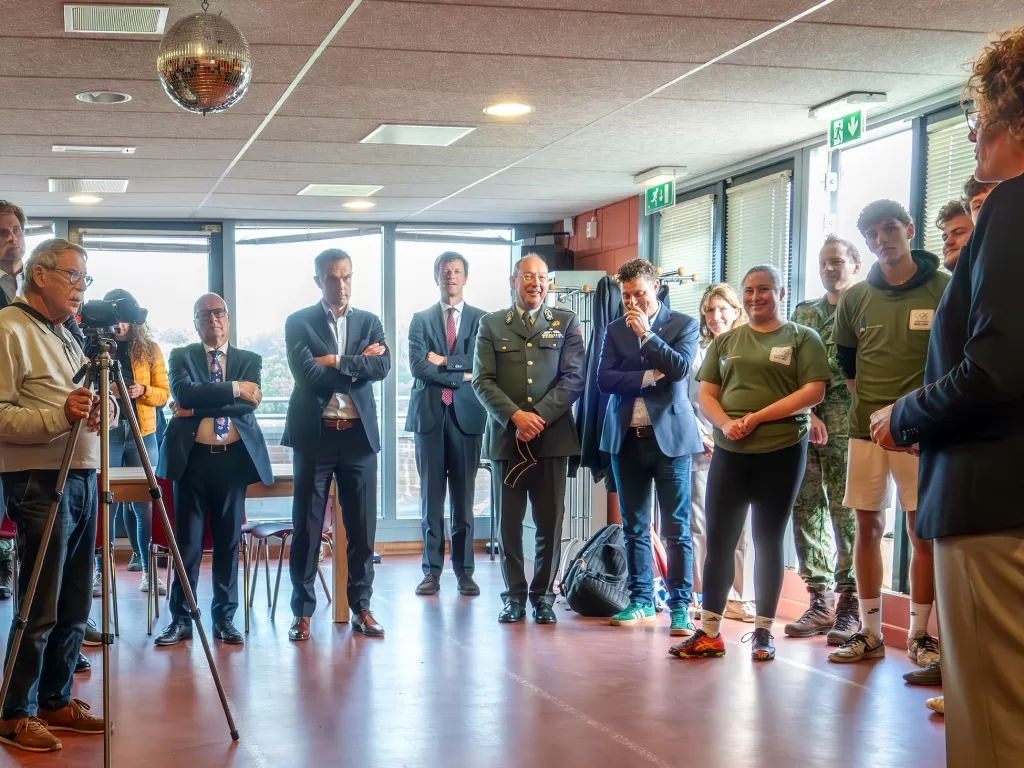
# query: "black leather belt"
340,424
643,432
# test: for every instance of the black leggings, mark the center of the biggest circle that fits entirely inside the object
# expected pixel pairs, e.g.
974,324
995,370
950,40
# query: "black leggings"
767,484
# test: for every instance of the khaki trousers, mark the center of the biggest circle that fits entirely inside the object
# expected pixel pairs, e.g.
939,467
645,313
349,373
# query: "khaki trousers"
980,586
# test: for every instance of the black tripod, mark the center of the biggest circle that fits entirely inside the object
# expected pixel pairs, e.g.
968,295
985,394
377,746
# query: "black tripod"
102,360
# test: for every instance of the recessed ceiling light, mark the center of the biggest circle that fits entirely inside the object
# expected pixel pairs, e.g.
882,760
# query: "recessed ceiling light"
360,205
652,177
341,190
85,199
508,110
86,148
417,135
839,106
103,97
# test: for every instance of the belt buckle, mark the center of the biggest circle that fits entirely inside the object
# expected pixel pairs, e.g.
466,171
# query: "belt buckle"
218,449
638,431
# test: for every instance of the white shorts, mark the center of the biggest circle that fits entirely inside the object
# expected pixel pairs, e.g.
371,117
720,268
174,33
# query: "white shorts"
868,469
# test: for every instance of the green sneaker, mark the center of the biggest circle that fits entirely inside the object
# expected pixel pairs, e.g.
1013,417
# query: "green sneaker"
634,613
682,624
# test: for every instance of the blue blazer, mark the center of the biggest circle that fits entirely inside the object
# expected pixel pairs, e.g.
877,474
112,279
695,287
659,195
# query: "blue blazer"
308,335
189,377
427,333
969,416
621,372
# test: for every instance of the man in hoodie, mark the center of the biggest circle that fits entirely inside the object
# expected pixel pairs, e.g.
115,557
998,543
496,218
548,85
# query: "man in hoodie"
881,332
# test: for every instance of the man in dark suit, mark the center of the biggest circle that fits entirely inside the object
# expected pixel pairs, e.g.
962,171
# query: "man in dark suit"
447,421
213,451
528,371
650,433
335,353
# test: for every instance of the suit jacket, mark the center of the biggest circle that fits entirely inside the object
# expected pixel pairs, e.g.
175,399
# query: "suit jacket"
189,378
427,333
539,370
969,415
621,372
308,335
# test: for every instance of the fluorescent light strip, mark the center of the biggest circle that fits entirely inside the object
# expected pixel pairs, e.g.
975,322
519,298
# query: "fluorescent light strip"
280,102
105,150
630,105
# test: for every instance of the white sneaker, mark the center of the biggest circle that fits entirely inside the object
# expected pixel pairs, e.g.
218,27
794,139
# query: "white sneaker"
161,588
938,704
738,611
97,584
923,650
858,648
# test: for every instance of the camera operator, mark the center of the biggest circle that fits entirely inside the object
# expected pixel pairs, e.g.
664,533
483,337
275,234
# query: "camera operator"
39,402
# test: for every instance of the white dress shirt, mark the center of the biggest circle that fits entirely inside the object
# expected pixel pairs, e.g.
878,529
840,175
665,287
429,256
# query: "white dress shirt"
340,406
9,284
206,434
458,316
641,418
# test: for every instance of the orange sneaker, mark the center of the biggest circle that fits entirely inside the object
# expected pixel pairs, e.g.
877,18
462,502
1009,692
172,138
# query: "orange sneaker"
28,734
74,717
699,646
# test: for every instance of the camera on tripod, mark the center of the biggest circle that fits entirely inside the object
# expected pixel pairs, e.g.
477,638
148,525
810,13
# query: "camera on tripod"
104,314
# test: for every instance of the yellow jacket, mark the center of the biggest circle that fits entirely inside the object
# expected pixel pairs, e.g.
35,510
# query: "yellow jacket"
157,390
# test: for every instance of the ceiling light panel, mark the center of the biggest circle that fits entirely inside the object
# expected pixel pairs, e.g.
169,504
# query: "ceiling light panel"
105,150
341,190
84,186
417,135
115,19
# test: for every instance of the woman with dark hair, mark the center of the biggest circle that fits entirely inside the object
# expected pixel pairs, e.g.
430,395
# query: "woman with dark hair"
145,376
758,384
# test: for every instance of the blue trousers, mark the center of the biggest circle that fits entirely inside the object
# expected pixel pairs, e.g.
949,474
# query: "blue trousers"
138,516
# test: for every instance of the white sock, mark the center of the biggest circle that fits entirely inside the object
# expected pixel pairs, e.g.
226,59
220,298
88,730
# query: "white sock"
710,622
763,622
919,615
871,616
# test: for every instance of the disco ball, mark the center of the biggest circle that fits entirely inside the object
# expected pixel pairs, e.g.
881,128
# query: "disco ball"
204,63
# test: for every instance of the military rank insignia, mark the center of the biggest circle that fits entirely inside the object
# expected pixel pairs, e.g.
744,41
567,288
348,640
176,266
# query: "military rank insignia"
509,316
548,315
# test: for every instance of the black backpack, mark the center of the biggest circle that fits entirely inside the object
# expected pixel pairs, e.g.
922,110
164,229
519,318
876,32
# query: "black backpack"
595,581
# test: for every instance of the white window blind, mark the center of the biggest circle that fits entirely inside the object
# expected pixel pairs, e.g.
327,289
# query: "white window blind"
950,163
758,228
686,239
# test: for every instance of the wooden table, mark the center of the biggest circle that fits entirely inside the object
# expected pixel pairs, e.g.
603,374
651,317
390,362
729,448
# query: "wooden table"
129,484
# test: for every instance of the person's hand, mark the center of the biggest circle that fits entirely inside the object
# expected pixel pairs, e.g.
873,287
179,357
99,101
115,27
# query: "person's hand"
179,412
528,425
94,414
136,390
638,322
819,435
77,405
250,392
327,361
709,445
375,350
881,430
658,375
435,359
734,429
750,422
467,376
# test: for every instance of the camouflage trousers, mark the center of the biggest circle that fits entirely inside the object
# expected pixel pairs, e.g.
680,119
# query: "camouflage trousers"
823,528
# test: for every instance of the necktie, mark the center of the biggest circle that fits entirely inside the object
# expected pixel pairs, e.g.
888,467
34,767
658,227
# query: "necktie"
446,394
530,320
220,424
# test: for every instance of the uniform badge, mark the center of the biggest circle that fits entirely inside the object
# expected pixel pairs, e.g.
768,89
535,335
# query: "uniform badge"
556,323
509,316
548,316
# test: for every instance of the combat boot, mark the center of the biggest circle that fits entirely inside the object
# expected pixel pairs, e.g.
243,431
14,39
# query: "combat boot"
847,621
817,619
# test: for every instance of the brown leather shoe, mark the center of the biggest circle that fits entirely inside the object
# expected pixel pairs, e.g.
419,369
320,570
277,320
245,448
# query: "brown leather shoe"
300,628
28,734
365,623
74,717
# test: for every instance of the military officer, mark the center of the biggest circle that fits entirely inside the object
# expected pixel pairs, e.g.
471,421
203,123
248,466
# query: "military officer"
527,372
821,494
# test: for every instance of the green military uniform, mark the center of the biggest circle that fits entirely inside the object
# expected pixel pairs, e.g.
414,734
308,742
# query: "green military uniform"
821,494
531,362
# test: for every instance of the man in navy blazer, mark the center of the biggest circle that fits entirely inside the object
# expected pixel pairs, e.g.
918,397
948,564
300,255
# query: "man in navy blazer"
651,434
335,353
213,450
448,422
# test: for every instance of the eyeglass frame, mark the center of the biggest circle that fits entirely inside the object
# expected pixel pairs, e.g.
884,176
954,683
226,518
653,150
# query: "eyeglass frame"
532,277
971,116
211,313
70,273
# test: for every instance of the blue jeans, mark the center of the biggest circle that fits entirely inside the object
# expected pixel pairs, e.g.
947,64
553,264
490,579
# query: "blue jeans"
56,621
138,517
635,467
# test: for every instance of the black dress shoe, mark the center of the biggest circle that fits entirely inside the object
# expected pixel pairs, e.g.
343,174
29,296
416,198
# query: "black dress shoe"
174,633
930,675
83,664
467,586
430,585
365,623
299,630
225,632
511,613
544,614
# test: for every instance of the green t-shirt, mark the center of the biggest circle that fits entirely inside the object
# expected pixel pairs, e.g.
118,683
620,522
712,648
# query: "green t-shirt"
890,330
757,369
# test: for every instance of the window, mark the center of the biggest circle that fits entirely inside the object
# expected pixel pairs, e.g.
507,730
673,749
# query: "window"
35,233
949,164
758,227
686,240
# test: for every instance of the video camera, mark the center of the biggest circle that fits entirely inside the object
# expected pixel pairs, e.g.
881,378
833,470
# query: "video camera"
106,314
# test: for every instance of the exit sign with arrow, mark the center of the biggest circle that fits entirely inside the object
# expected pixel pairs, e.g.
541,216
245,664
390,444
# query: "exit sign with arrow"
846,129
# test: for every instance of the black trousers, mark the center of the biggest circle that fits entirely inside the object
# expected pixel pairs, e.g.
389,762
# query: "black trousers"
544,486
767,483
447,459
346,457
214,486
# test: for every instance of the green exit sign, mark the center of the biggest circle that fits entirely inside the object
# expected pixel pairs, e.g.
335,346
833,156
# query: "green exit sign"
846,129
660,197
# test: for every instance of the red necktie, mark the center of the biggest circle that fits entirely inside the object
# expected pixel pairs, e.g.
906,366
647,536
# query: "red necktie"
446,394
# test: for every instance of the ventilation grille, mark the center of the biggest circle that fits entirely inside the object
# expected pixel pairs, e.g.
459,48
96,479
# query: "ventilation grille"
78,186
115,19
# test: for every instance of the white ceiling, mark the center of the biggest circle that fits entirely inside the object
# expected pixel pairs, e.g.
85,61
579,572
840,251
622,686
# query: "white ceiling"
589,67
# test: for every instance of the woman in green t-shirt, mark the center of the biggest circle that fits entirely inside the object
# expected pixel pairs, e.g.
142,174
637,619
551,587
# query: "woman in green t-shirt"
758,384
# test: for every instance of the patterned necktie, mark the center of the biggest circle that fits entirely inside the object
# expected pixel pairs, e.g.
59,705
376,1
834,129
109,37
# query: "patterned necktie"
220,424
446,394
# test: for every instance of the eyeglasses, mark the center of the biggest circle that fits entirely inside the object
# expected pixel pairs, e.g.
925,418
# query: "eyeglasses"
971,114
533,277
206,314
73,275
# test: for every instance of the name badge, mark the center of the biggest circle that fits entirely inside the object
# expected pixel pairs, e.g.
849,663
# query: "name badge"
781,355
921,319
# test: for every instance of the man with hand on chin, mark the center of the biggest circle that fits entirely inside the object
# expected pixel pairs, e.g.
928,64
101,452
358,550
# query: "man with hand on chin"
528,372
